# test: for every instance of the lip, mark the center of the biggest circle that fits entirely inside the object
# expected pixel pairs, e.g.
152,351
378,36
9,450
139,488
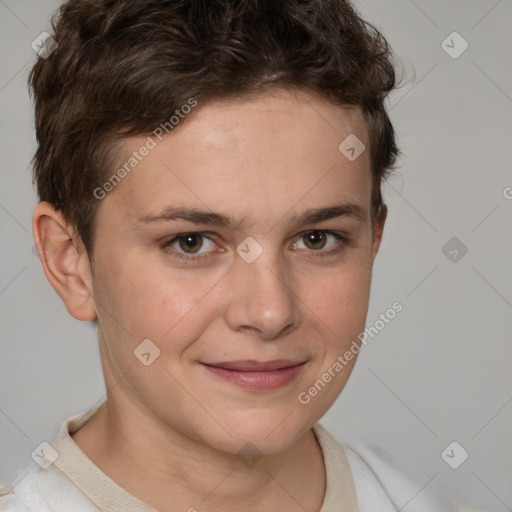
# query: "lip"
251,365
257,375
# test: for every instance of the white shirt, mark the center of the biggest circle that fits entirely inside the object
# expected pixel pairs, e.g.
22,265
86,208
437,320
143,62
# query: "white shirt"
359,478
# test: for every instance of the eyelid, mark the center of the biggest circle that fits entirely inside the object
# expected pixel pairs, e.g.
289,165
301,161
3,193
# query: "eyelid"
168,241
340,236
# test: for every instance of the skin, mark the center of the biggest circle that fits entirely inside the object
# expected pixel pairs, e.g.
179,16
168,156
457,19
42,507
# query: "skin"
169,433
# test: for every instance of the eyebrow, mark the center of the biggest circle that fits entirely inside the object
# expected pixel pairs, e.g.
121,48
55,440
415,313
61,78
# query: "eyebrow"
197,216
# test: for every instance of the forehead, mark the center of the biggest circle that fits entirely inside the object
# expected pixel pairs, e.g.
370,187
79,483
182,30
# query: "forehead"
258,156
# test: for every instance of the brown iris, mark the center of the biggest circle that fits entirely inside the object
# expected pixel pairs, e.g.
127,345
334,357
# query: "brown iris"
315,239
190,243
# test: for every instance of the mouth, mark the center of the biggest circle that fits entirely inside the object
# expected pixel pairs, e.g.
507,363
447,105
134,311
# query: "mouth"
257,375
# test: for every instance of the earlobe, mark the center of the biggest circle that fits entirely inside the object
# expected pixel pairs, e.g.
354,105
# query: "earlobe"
64,260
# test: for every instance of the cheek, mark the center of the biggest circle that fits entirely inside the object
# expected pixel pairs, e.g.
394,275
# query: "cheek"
147,296
341,298
340,310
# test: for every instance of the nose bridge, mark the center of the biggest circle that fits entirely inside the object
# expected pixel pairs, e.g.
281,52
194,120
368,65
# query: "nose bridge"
262,296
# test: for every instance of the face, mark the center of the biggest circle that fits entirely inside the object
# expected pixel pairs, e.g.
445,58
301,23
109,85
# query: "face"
241,246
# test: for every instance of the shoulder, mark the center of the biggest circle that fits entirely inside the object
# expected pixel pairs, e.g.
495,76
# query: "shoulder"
43,490
383,479
382,476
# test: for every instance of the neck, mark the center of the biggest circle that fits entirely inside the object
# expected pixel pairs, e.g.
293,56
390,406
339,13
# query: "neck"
171,471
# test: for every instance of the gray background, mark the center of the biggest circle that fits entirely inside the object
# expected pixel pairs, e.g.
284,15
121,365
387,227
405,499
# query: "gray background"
440,371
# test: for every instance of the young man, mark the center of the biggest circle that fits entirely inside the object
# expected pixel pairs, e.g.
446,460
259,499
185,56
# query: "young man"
209,176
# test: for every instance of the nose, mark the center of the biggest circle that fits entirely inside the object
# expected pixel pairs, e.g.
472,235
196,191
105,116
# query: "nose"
261,299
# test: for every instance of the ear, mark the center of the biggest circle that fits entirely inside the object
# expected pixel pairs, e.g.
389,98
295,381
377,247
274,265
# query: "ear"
65,261
378,228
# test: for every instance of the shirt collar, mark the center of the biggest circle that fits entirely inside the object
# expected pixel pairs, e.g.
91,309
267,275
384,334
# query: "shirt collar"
108,496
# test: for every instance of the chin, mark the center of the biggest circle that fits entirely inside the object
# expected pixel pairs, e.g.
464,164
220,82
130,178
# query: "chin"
267,434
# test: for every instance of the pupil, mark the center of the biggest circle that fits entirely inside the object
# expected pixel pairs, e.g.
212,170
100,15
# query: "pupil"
190,242
316,237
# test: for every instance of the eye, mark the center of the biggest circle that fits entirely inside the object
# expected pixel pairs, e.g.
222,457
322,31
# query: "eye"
193,246
187,245
324,241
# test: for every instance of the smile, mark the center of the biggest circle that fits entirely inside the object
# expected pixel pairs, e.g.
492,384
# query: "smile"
255,375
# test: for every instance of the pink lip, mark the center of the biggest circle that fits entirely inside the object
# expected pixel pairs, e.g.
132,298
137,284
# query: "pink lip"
257,375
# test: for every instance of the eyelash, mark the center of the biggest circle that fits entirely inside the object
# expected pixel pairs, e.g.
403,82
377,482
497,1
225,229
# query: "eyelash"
342,239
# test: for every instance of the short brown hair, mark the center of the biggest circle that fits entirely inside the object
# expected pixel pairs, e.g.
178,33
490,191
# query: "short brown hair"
122,67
